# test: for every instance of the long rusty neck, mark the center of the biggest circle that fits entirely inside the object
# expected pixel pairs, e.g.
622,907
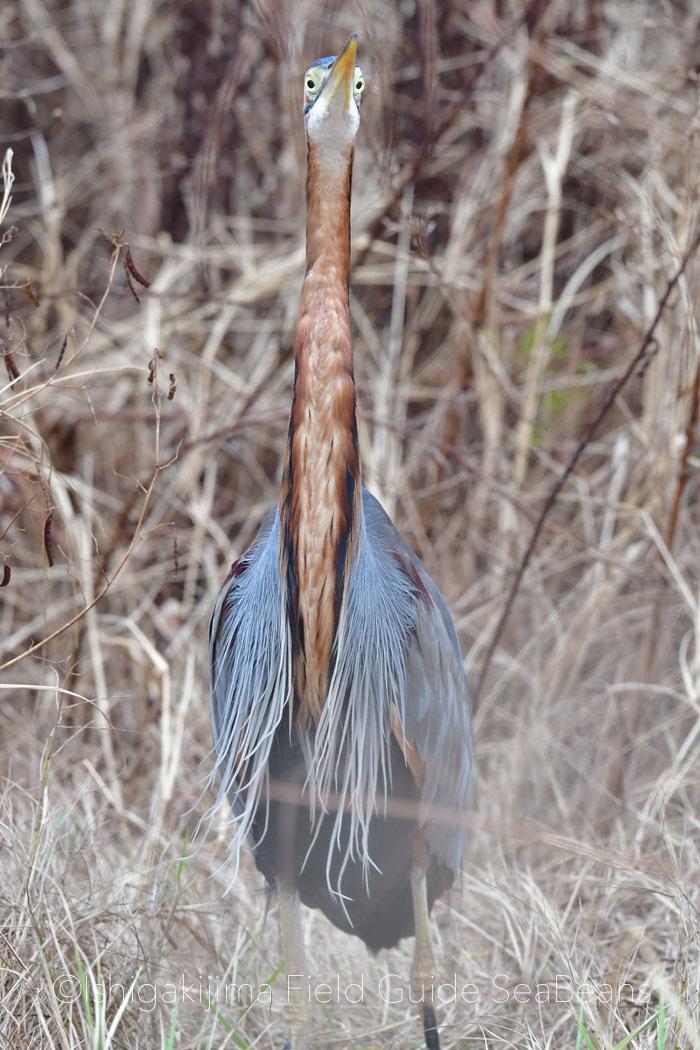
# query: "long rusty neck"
328,187
319,501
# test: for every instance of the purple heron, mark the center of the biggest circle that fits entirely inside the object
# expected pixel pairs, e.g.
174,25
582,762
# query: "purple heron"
339,701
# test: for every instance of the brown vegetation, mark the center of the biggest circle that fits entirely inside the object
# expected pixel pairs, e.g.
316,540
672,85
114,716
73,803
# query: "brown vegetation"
526,185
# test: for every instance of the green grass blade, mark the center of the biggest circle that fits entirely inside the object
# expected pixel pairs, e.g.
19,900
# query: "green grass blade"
633,1035
273,977
661,1027
583,1034
82,977
171,1034
579,1034
181,862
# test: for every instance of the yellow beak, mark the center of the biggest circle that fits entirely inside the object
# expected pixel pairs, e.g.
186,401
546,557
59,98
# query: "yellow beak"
342,73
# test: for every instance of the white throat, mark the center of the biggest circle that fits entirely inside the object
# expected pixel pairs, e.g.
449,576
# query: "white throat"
332,130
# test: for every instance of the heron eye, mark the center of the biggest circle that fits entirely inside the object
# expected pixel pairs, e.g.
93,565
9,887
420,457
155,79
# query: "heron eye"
359,81
312,83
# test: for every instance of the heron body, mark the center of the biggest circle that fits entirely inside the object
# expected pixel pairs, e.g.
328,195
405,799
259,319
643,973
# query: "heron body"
340,709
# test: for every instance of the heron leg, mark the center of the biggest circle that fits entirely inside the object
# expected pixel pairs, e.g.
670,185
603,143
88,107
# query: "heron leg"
298,1007
423,975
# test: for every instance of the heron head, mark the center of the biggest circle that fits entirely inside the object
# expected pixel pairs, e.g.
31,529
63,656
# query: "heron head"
332,89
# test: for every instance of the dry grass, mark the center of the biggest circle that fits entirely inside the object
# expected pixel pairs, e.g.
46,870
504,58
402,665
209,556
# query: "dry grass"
525,186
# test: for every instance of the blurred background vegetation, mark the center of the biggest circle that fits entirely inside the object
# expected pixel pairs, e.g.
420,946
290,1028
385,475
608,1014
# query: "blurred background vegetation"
526,184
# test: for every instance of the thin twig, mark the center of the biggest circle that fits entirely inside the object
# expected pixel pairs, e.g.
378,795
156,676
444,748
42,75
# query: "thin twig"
685,455
608,401
100,595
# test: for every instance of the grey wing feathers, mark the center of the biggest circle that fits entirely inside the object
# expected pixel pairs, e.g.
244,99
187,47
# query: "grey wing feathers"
436,715
250,675
256,558
396,647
